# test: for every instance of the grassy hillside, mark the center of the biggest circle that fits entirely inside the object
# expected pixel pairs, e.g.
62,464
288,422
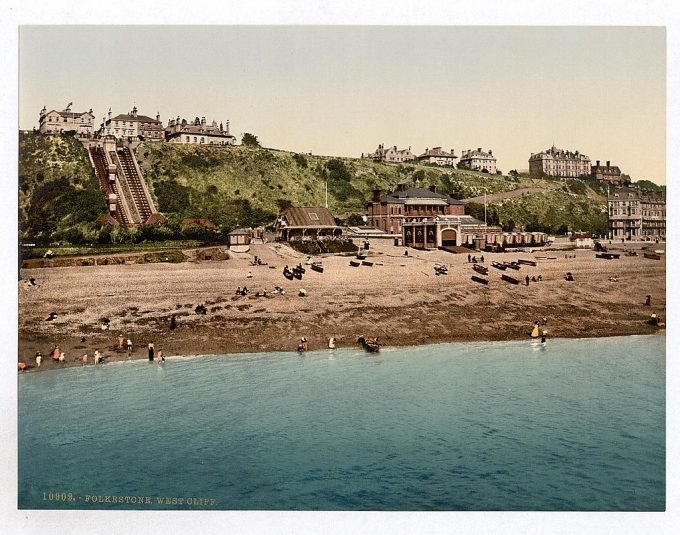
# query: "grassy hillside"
57,186
244,186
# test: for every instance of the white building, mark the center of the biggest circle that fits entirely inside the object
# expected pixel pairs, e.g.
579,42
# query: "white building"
438,156
559,163
133,125
57,122
198,132
478,160
389,155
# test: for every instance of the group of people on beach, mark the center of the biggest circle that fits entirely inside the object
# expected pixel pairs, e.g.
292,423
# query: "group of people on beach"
304,344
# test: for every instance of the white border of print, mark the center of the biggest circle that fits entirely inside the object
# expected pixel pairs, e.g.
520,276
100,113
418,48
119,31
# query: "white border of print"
282,12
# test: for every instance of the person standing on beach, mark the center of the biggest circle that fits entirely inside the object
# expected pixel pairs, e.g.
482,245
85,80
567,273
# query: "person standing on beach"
121,341
85,359
526,279
38,359
173,322
129,347
152,351
469,258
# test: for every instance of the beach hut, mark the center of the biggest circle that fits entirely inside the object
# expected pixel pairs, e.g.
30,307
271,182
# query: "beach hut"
239,237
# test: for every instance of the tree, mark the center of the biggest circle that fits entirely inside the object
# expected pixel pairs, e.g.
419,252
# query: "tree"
250,140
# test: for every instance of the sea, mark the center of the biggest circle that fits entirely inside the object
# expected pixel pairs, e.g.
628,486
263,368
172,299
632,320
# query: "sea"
572,425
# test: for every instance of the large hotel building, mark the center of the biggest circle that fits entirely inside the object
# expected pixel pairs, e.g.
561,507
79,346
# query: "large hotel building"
559,163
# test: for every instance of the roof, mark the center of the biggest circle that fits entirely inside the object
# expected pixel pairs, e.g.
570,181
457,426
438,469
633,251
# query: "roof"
554,152
476,153
198,130
239,232
205,222
308,216
133,118
69,113
437,152
610,168
418,196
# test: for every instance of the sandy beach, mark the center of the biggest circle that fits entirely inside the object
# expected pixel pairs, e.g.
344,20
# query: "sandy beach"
399,299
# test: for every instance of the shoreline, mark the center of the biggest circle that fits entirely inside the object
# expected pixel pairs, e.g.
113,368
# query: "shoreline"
116,359
399,299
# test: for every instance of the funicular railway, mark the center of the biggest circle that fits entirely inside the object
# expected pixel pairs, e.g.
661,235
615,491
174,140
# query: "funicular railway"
122,184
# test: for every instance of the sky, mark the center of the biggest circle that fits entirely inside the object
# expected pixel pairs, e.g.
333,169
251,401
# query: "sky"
342,90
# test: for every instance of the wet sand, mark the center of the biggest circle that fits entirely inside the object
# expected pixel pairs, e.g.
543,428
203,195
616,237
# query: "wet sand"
399,299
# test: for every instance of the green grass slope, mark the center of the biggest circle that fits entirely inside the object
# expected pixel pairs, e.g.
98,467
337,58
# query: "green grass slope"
59,196
57,186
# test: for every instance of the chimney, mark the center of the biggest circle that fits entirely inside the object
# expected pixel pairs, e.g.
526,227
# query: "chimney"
452,152
490,153
433,188
202,120
608,162
454,195
597,163
479,149
376,195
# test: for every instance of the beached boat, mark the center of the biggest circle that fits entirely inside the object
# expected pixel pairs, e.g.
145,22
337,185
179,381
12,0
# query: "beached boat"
652,256
479,279
366,263
500,266
526,262
288,273
317,267
354,263
607,256
508,278
361,256
480,269
297,273
371,346
512,265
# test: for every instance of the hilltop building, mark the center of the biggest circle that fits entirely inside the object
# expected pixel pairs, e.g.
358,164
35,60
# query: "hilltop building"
438,156
389,155
57,122
133,125
559,163
606,173
636,214
198,132
302,223
390,212
478,160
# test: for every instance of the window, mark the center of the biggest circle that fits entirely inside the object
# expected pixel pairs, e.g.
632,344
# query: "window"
188,139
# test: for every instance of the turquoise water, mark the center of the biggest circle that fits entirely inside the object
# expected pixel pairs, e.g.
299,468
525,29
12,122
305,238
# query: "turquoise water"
577,425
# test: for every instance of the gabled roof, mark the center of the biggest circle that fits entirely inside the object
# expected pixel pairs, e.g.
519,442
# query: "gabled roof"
437,152
68,113
133,118
476,153
308,216
197,130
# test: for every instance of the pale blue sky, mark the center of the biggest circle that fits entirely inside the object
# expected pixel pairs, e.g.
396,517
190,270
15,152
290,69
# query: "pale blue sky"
341,90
